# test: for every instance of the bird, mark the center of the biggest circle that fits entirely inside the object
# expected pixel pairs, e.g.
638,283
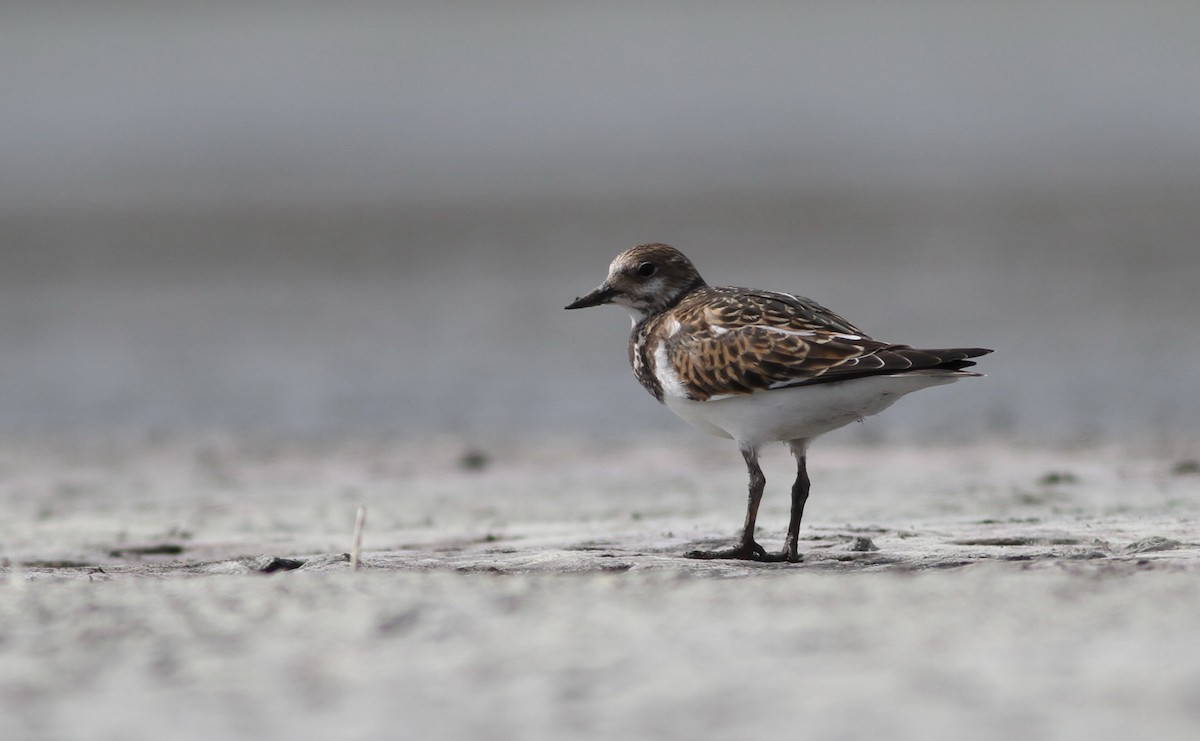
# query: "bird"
759,367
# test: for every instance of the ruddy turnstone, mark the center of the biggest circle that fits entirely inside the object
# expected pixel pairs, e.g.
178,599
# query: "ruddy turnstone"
758,367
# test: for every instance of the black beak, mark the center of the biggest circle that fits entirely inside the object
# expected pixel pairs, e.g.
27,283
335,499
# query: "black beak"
602,295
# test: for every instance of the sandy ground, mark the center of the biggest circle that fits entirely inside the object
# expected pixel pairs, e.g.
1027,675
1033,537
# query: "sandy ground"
520,590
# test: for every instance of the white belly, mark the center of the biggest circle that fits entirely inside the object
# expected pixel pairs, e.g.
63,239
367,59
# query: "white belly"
802,412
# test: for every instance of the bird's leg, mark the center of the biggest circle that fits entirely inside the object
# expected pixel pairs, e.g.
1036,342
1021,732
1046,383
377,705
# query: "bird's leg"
791,546
748,549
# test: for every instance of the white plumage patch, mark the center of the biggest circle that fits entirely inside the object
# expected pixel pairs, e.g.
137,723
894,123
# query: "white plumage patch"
671,327
799,413
668,379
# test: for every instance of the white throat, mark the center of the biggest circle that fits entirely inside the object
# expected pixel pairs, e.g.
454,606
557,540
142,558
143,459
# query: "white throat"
636,313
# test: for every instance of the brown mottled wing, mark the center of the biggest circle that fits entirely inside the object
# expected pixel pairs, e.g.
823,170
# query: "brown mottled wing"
734,306
738,342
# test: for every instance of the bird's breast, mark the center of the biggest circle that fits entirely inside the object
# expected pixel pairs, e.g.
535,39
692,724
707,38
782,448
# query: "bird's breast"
642,359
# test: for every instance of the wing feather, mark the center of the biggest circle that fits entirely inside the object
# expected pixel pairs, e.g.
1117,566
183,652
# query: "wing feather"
734,342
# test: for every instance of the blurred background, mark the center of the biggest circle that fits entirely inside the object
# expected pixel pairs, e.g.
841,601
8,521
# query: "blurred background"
345,218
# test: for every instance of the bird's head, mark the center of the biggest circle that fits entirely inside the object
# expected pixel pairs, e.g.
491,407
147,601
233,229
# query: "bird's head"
644,280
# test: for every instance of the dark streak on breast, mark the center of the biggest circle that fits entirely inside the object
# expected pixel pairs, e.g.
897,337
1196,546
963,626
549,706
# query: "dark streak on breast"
639,358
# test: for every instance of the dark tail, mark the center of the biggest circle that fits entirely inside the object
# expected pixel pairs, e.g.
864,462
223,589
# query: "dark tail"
954,358
899,359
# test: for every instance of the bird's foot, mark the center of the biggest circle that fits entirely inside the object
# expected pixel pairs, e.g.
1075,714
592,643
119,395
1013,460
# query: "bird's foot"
745,552
791,555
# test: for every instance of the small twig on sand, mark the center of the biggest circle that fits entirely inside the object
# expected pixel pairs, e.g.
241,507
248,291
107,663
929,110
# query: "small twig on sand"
359,521
16,578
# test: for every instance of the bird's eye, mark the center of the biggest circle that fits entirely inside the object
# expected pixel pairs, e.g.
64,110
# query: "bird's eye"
647,269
